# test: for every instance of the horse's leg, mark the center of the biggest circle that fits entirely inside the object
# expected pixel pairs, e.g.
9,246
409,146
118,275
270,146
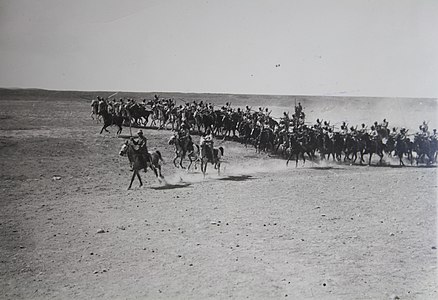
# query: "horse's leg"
139,179
218,168
290,156
174,160
181,160
159,171
203,167
155,170
132,178
369,161
191,161
304,158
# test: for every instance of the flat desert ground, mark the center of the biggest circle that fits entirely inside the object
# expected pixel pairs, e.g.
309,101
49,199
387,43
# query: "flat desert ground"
260,230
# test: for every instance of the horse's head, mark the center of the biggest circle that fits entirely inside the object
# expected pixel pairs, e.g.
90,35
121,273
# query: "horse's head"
124,149
172,139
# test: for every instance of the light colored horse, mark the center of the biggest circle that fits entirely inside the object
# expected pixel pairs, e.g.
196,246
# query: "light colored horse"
183,149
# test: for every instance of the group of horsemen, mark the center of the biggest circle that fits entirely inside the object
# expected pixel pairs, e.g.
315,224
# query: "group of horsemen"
294,125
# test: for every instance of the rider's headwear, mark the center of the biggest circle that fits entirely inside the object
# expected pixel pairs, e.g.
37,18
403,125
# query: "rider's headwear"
140,132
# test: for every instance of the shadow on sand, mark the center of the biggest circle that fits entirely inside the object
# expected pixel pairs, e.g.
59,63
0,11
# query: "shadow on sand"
237,178
171,186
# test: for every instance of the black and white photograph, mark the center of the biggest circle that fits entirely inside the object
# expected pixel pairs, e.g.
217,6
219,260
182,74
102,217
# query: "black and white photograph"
218,149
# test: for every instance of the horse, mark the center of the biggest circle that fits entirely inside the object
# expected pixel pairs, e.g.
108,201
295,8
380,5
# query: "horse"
206,157
138,163
138,113
424,148
95,110
297,148
111,119
245,132
265,140
352,146
402,147
372,146
183,148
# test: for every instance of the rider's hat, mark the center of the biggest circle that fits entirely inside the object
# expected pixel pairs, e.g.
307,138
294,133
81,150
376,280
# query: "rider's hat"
140,132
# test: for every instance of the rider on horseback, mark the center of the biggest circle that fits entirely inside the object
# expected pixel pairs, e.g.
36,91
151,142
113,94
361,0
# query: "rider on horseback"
374,134
344,129
206,141
184,136
141,142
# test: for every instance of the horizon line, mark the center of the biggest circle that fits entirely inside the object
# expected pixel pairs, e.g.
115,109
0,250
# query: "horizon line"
216,93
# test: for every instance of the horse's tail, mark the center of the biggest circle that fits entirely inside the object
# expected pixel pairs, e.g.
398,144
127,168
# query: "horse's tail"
159,155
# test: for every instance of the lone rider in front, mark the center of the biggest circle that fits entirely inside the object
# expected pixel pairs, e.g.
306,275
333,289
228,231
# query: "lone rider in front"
207,140
141,142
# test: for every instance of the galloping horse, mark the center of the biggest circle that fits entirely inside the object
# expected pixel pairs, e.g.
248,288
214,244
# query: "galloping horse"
296,149
372,146
183,148
402,146
136,159
111,119
206,154
425,149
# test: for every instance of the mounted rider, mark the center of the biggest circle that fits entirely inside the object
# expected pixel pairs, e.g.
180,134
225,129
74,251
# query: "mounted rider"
206,141
344,129
424,130
95,107
141,142
434,136
374,134
102,105
184,136
362,130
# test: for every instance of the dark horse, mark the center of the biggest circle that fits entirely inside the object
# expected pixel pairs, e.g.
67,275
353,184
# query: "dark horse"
402,146
372,146
296,148
206,157
425,149
136,159
265,140
111,119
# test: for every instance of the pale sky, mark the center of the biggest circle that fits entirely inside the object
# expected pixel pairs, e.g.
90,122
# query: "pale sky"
384,48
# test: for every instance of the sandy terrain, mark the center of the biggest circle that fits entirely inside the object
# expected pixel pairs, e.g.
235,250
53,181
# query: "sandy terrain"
261,230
